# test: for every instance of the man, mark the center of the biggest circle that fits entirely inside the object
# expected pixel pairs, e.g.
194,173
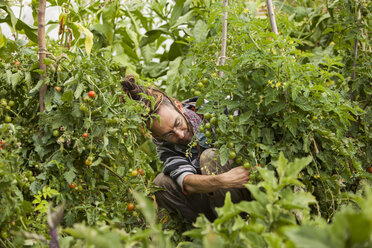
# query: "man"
194,182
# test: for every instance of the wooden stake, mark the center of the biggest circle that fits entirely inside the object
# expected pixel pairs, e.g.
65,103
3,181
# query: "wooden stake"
222,58
359,16
42,50
270,10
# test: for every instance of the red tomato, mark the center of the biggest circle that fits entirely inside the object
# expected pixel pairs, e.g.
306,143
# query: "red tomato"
130,207
140,170
57,88
72,185
91,94
85,135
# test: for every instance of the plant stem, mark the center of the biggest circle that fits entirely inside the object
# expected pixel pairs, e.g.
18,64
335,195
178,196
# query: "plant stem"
355,57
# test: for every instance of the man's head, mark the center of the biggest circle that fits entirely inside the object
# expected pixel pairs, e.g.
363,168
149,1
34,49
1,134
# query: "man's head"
172,125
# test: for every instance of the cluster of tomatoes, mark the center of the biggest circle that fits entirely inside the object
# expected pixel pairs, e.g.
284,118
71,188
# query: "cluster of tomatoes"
211,127
6,109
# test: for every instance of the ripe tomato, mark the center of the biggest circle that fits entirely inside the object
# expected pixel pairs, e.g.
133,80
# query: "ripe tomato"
57,88
140,170
91,94
85,135
259,165
134,173
55,133
2,142
130,207
232,155
370,169
17,63
72,185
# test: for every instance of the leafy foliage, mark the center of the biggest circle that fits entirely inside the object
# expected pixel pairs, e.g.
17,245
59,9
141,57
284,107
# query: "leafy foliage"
300,94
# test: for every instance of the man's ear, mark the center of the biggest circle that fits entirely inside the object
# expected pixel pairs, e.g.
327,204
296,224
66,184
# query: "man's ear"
179,105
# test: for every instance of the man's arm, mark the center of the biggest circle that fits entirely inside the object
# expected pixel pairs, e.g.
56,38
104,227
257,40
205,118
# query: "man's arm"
234,178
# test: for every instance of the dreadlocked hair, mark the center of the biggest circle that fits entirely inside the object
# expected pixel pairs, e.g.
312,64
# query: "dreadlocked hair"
139,93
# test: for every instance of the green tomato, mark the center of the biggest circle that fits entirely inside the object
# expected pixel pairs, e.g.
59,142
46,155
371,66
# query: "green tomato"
11,103
213,120
200,85
8,119
4,234
201,128
197,93
55,133
83,108
247,165
232,154
3,102
230,145
239,160
207,116
208,134
204,80
231,117
208,125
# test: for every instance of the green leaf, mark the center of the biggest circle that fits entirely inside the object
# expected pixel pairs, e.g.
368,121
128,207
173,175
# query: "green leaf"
88,37
200,31
79,89
172,75
69,175
224,154
257,194
309,237
68,96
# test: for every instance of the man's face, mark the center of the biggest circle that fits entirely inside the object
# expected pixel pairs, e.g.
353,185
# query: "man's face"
172,126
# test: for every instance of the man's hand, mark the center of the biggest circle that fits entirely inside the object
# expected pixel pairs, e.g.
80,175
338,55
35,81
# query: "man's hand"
234,178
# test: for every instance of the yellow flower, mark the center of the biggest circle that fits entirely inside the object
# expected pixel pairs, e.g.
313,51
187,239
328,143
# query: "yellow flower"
277,85
315,118
246,11
291,42
332,43
270,82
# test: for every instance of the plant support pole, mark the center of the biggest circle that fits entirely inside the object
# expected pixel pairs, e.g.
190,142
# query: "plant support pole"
359,16
270,10
42,50
222,59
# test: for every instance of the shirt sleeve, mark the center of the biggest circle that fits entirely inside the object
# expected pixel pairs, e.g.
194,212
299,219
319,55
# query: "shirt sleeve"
175,163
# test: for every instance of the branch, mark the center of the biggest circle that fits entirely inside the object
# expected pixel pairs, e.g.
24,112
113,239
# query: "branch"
270,10
42,50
